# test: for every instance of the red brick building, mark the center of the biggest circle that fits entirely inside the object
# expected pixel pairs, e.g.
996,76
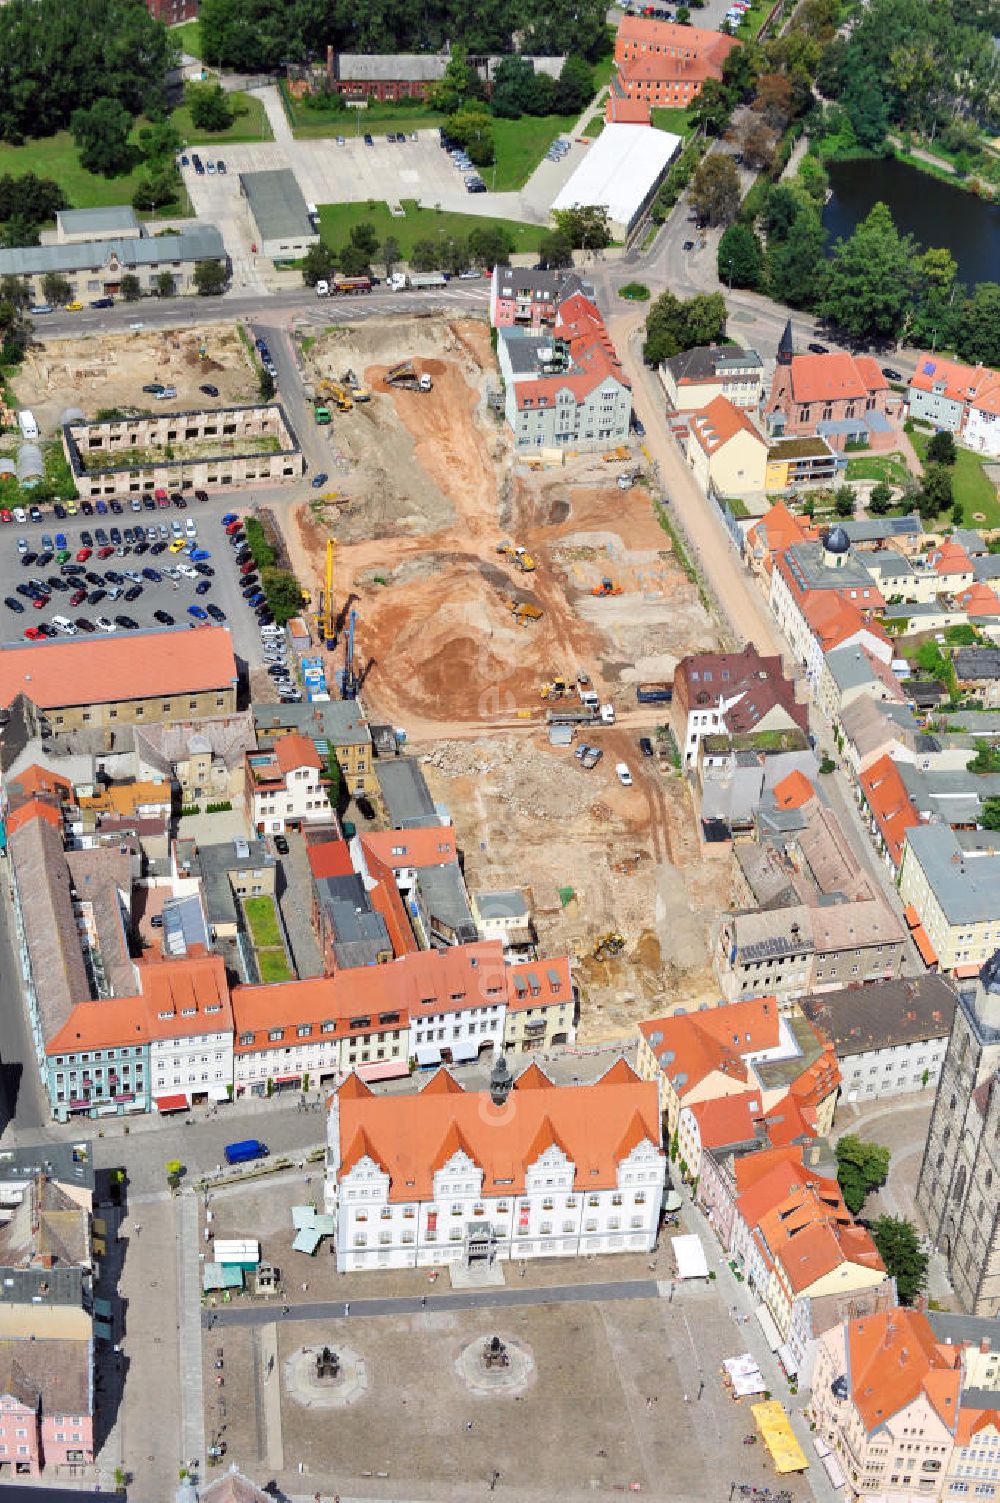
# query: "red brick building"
810,392
170,12
664,64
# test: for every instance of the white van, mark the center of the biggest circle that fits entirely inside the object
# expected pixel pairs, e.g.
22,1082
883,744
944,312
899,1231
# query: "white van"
64,625
322,288
26,423
607,714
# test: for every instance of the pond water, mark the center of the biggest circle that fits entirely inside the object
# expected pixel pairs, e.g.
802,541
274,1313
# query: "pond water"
936,213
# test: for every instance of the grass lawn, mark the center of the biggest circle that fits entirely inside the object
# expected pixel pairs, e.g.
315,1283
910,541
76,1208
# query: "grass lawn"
251,123
263,923
337,221
752,21
605,66
273,966
520,145
971,486
594,125
675,121
188,37
888,467
56,157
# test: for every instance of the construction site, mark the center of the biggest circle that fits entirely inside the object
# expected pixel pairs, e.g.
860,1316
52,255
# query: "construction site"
482,586
108,372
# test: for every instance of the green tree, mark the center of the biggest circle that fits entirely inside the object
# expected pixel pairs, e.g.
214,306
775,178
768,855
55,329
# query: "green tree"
317,264
516,91
390,253
210,106
796,270
868,287
715,189
865,104
453,255
101,134
14,292
989,814
712,108
158,185
364,237
587,226
861,1168
673,325
574,86
941,449
490,245
334,778
265,385
979,325
455,85
880,499
354,262
131,288
165,284
844,501
56,289
284,594
210,278
555,249
470,127
899,1247
424,255
935,492
740,259
160,141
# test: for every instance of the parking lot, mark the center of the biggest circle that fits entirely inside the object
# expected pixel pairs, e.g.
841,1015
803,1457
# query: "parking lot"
182,583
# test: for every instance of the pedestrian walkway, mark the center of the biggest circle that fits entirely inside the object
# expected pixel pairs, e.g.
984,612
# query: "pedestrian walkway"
189,1330
485,1299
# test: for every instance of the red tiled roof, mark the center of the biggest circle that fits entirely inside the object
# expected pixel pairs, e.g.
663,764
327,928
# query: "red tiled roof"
714,426
176,999
690,1047
727,1119
834,621
890,804
951,558
893,1357
975,384
621,110
835,377
793,791
411,1135
34,808
98,669
530,985
294,751
429,845
329,858
776,530
979,600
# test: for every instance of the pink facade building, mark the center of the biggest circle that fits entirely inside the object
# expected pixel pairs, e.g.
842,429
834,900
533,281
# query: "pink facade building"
46,1406
520,295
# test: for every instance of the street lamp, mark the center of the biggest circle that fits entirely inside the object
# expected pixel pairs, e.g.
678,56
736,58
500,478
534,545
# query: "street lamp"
730,263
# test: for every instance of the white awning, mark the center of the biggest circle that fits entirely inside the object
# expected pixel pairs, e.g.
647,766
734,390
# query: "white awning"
428,1054
689,1255
787,1361
219,1092
771,1333
834,1470
462,1053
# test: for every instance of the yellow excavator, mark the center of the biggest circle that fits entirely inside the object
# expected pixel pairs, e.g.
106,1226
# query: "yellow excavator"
524,612
608,945
339,393
557,689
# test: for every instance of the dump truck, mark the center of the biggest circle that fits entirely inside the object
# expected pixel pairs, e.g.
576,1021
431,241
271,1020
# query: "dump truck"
404,375
524,561
654,694
415,280
606,587
584,716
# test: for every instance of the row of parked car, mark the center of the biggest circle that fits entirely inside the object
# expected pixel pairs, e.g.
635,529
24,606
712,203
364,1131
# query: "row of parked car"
63,509
250,586
201,167
460,158
557,150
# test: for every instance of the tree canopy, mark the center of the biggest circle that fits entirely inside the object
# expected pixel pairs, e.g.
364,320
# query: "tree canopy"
899,1247
57,58
673,325
256,34
861,1168
867,289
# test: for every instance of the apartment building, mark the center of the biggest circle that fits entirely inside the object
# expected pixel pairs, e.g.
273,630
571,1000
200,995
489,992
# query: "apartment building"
736,693
964,399
286,788
666,64
953,888
695,377
525,296
526,1170
890,1037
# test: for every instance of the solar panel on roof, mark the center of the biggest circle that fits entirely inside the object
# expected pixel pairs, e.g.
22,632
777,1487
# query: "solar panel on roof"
929,367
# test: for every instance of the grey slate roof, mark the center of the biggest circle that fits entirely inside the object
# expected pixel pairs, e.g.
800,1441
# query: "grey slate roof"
706,361
548,286
508,903
102,221
340,722
360,934
875,529
442,889
967,890
202,242
986,566
806,563
883,1014
407,797
276,203
978,662
43,880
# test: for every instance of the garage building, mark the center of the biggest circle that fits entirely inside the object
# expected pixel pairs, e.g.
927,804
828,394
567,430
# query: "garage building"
621,172
281,224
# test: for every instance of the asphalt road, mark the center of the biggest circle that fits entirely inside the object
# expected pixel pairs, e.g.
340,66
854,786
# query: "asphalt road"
432,1304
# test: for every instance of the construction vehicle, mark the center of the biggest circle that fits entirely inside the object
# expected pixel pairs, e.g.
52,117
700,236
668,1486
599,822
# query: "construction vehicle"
322,414
627,480
524,561
584,716
524,612
350,684
616,456
339,393
606,587
505,549
590,758
404,376
358,389
557,689
326,624
607,945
